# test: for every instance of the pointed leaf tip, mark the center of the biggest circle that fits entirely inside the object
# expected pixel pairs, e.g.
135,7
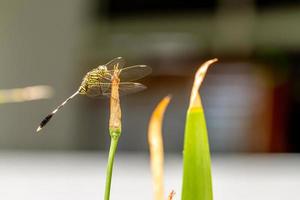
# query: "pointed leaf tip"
195,100
156,148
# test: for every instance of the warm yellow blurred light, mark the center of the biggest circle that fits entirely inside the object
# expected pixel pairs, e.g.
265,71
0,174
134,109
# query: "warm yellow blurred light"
25,94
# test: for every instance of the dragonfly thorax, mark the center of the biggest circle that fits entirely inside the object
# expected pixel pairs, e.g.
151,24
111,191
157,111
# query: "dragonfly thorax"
93,78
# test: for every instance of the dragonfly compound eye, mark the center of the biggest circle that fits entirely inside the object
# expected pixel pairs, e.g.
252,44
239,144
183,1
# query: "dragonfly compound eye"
102,67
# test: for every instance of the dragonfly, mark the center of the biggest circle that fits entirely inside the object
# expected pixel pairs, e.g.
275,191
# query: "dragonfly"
98,83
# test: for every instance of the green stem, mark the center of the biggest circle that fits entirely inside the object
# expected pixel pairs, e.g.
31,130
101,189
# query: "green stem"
112,151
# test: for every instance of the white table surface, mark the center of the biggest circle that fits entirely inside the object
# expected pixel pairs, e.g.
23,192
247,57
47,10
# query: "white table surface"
81,176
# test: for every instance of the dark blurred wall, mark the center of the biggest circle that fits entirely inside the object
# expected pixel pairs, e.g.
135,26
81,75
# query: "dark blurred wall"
40,44
251,96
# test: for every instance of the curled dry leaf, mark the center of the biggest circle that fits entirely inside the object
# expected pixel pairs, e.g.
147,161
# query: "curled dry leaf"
156,147
195,100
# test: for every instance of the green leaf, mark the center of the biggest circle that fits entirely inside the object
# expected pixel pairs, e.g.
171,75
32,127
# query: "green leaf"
197,181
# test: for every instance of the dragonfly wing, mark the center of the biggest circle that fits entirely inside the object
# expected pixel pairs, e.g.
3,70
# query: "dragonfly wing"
135,72
130,87
116,61
94,90
124,88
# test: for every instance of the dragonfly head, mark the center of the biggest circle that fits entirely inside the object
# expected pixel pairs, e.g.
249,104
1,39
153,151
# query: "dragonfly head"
102,68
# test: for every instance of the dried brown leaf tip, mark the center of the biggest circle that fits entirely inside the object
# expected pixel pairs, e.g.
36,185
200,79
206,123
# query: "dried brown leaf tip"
199,77
171,195
156,148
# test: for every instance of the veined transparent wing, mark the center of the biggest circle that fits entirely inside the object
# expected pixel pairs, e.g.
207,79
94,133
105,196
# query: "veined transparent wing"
94,90
116,61
135,72
104,89
124,88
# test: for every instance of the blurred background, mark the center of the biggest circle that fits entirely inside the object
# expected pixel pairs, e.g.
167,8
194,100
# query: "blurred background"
251,96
